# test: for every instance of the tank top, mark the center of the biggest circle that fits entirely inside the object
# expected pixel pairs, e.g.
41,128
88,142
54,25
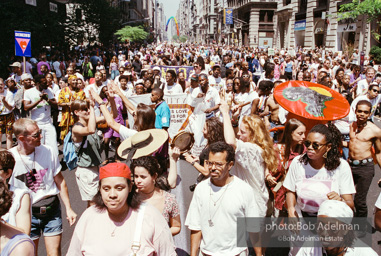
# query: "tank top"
13,242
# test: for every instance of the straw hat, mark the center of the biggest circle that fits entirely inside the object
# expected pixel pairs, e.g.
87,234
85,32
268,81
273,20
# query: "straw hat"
143,143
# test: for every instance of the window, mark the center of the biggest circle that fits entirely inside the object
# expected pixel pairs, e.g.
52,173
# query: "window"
302,5
286,2
78,14
266,16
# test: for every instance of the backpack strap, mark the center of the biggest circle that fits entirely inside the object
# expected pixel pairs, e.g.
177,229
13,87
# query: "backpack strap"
83,139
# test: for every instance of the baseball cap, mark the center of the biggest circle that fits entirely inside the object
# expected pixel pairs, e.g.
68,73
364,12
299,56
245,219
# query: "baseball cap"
194,77
140,81
156,68
16,64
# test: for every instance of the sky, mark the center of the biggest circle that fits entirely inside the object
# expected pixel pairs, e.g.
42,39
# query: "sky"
170,9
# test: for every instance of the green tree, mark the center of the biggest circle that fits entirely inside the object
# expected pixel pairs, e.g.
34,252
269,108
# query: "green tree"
175,38
99,19
183,38
370,8
133,34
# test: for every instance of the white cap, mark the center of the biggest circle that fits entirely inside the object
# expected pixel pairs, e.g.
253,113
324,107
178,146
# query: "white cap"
16,64
26,76
139,81
156,68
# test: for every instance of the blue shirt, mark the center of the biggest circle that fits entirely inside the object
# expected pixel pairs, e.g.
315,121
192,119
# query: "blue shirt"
163,115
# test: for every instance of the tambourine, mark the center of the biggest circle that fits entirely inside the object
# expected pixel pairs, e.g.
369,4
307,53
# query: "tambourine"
184,141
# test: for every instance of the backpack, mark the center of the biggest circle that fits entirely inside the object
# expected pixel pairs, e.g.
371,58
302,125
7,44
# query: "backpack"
70,154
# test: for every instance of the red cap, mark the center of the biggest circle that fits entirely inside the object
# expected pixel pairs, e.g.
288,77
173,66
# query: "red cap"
115,170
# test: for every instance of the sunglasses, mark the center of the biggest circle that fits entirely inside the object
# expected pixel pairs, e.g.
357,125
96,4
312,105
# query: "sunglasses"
37,134
33,172
375,90
315,145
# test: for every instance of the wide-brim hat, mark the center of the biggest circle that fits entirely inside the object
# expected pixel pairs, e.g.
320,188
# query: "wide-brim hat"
143,143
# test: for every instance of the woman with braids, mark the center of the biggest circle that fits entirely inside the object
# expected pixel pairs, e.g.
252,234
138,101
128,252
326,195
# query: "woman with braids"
145,173
13,242
318,175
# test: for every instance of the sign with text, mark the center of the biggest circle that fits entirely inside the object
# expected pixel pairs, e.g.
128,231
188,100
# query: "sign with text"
23,44
300,25
228,16
186,69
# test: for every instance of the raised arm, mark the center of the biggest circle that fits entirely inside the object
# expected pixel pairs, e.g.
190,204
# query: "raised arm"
228,128
107,115
130,107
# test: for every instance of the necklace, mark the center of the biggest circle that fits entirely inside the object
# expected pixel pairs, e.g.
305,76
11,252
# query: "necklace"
361,127
211,224
119,221
32,171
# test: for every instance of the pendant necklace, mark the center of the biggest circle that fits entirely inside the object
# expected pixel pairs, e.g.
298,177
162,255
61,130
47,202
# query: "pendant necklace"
118,222
211,224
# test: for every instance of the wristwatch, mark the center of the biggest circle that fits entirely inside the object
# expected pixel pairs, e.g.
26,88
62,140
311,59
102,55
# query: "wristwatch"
193,163
102,103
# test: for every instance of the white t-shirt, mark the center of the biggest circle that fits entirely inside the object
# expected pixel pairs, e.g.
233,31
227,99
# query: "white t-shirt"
40,113
218,82
9,98
10,216
211,98
250,167
125,132
172,89
242,98
234,200
362,87
92,86
312,186
46,163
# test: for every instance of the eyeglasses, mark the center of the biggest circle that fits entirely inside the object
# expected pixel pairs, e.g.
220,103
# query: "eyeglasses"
36,135
375,90
315,145
217,164
229,84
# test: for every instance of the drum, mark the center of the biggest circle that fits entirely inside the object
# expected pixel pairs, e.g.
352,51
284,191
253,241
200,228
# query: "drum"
183,140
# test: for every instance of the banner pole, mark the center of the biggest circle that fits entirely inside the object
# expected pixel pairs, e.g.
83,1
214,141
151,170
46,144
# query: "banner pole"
24,64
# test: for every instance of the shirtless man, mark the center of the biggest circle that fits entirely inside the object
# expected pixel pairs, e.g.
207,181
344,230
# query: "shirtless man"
363,135
271,116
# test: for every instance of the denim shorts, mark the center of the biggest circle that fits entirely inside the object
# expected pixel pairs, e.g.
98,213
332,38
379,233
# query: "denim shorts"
51,225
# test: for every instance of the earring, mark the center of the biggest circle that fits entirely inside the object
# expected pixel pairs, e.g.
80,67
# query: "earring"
325,154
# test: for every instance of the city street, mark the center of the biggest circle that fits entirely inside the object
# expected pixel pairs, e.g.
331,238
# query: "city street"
187,177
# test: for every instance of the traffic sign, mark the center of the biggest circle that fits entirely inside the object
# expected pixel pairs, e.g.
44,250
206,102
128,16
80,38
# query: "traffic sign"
23,44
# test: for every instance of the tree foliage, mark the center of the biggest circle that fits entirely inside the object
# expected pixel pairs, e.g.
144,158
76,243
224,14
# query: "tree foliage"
133,34
99,20
370,8
183,38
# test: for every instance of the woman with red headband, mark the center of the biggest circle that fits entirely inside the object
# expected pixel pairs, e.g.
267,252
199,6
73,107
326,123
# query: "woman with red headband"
119,224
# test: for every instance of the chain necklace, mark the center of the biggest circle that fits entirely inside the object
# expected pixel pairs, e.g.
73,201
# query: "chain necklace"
32,171
119,221
211,224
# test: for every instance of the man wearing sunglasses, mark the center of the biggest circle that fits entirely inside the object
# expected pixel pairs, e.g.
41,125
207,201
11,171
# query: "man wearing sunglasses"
373,96
363,135
37,169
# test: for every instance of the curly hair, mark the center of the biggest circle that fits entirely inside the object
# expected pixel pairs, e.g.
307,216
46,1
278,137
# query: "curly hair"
133,199
215,130
152,165
6,198
332,136
259,135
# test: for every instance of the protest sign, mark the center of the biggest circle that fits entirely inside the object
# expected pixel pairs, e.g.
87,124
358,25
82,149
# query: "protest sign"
186,69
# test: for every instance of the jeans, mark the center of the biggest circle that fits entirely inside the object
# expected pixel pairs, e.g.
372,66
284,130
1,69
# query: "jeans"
362,177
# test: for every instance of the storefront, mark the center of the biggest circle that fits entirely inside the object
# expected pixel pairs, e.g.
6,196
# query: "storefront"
300,29
319,32
346,32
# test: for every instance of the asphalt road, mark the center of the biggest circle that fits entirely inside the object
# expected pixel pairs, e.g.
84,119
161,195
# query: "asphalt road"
187,176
